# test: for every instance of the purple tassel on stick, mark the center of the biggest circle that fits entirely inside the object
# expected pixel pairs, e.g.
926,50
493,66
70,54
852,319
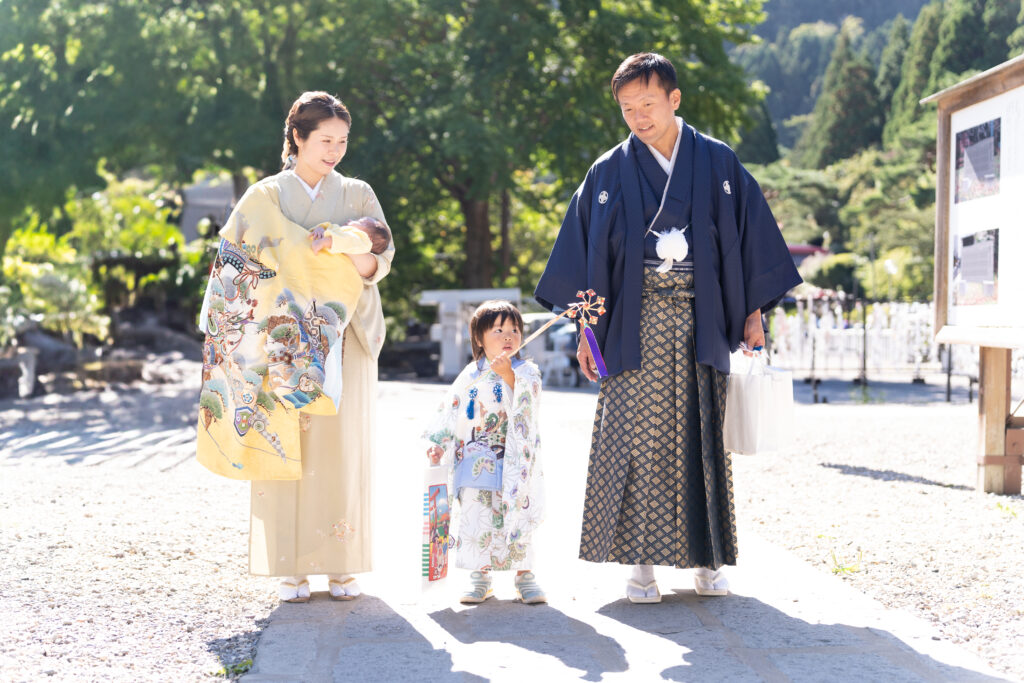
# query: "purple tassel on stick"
595,351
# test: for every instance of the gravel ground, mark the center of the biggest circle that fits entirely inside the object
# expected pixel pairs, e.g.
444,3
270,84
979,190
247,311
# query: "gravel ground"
124,560
883,496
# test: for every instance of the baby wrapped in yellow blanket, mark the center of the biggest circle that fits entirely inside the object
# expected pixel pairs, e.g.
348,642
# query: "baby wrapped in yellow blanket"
276,307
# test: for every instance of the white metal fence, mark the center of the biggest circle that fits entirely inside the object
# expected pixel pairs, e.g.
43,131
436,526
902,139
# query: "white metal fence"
823,339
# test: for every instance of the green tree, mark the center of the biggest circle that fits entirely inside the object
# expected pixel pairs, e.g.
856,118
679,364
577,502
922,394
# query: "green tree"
905,108
75,86
847,116
451,100
1015,41
464,96
962,41
891,65
783,15
803,57
1000,20
805,203
759,144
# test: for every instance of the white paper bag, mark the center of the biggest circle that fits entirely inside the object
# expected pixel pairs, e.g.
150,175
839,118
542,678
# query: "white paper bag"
759,409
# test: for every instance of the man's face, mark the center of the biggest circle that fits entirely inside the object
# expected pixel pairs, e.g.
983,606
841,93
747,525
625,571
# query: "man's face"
650,112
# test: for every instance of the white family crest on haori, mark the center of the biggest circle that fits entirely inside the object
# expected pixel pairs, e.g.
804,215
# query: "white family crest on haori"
671,247
602,198
726,187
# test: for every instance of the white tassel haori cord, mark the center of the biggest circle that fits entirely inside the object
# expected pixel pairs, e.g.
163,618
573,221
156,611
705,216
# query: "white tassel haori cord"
671,247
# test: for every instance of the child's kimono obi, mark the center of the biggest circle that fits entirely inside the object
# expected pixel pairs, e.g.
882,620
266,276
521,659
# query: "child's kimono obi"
479,468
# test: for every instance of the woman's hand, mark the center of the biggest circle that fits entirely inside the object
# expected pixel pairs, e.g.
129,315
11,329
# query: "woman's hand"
753,332
502,365
434,454
320,241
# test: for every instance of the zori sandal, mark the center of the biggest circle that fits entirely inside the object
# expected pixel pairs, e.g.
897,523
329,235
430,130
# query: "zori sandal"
344,589
710,582
480,589
637,592
528,591
294,592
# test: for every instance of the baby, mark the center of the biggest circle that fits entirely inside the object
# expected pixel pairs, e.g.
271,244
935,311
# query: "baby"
333,237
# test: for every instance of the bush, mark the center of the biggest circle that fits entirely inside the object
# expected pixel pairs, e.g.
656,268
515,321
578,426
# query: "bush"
53,284
835,271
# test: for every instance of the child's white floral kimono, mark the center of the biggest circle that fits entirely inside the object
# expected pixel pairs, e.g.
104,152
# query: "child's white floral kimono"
490,439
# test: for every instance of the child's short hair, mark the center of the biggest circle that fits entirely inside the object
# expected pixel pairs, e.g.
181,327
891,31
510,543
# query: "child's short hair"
486,315
380,235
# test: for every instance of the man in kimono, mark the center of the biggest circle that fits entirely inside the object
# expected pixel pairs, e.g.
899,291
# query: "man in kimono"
676,234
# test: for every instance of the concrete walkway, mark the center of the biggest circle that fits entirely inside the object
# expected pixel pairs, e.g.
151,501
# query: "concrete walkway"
784,621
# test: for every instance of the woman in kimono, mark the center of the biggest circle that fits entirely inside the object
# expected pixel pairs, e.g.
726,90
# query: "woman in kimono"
676,234
320,523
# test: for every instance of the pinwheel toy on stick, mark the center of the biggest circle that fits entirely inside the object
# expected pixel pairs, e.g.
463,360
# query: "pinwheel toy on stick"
586,311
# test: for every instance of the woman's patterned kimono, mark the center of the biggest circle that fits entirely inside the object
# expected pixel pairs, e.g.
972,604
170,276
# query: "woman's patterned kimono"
494,528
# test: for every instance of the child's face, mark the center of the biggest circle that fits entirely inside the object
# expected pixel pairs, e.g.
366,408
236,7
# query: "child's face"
504,337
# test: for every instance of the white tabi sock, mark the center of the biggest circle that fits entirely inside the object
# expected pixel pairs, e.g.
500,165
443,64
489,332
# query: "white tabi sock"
643,574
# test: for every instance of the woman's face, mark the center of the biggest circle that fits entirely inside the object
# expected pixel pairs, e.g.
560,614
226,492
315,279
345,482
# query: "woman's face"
504,337
323,149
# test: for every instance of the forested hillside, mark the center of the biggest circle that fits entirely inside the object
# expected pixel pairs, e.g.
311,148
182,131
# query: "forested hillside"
854,165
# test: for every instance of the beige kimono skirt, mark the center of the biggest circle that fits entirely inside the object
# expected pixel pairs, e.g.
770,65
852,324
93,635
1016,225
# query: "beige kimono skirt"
320,524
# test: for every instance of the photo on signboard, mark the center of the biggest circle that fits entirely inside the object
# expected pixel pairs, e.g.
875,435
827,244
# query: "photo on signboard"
977,161
976,268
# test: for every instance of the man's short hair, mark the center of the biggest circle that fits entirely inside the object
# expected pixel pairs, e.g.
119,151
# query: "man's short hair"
644,65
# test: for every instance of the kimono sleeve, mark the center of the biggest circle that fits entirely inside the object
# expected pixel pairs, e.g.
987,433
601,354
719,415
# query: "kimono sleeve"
567,270
347,240
371,207
442,430
768,269
522,476
523,437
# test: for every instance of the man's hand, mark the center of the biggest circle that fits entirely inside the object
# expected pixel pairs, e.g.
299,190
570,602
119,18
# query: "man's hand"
586,359
753,332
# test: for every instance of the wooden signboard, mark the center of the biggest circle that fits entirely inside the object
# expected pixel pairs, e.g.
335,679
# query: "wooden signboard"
979,247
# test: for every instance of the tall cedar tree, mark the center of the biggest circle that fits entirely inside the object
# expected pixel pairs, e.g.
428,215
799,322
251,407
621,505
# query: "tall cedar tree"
1016,39
905,108
965,42
891,66
1000,19
847,116
758,142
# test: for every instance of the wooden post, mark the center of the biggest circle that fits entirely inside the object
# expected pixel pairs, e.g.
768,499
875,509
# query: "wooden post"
998,472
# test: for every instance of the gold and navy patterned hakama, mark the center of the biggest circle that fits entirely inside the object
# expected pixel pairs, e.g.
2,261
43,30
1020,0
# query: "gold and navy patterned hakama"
659,483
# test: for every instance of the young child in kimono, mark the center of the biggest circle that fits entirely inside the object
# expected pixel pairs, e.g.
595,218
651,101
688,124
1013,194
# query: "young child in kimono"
486,432
335,238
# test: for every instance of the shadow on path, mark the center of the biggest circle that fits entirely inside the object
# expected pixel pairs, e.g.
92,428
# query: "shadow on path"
361,640
538,628
890,475
739,638
131,426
